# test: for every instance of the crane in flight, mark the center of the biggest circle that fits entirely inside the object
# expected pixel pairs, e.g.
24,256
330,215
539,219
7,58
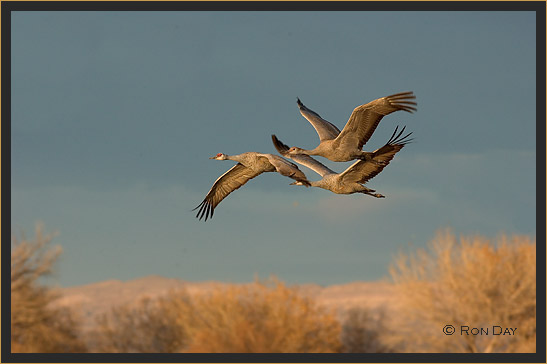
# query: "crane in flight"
347,145
249,166
352,180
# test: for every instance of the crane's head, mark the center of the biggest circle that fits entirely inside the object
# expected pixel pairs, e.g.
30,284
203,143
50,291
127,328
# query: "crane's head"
295,150
297,183
220,157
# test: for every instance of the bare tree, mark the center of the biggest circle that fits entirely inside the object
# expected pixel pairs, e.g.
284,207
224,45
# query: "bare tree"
37,326
259,317
363,331
143,327
483,288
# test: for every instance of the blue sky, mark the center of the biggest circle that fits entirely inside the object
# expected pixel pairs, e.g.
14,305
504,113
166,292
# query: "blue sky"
115,114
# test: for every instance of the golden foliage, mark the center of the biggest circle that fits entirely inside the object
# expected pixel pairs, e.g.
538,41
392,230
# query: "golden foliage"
36,326
475,282
262,317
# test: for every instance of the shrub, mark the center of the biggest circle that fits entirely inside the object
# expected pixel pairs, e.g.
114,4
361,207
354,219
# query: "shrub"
265,317
475,282
36,326
144,327
362,332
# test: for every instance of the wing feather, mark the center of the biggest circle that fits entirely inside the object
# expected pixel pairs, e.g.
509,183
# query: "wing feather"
324,129
230,181
288,169
302,159
365,118
362,171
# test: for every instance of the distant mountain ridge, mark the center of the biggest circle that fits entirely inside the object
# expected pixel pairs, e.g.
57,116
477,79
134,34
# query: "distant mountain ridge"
93,299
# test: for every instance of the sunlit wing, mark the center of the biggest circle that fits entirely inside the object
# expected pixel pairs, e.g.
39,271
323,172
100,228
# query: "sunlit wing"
365,118
288,169
230,181
324,129
363,171
302,159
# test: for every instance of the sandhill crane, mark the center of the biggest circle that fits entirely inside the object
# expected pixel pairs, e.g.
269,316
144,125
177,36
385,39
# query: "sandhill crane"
250,165
347,145
352,179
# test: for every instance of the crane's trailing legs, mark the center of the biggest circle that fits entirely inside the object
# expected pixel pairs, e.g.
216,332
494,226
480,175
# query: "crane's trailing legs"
372,193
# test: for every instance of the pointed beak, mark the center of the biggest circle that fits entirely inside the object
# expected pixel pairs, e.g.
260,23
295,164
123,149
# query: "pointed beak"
212,157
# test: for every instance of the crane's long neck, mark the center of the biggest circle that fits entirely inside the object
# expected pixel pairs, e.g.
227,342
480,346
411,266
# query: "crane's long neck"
248,159
312,183
314,151
315,184
236,157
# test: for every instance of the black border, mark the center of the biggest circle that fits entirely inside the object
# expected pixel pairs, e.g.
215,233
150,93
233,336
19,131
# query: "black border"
5,345
277,358
540,182
272,5
538,7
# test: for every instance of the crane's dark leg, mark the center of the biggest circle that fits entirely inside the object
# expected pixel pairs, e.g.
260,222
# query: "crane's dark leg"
372,193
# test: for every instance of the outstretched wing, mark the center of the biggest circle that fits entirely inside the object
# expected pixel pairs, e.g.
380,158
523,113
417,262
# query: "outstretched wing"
324,129
302,159
288,169
365,118
230,181
362,171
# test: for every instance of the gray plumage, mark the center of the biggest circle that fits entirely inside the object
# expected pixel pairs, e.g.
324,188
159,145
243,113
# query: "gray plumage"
249,166
347,145
352,180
